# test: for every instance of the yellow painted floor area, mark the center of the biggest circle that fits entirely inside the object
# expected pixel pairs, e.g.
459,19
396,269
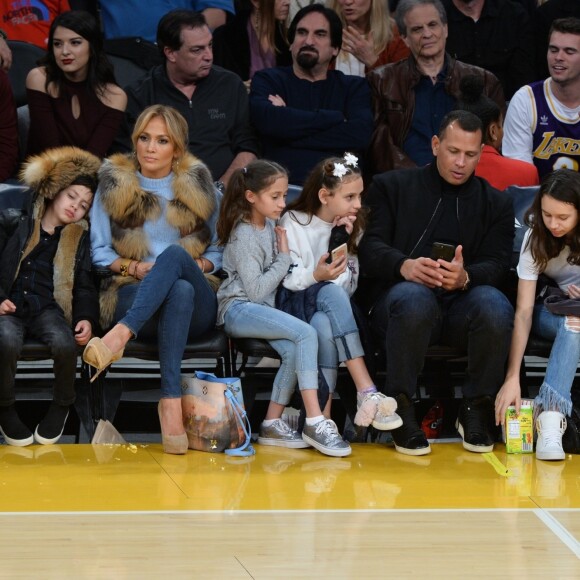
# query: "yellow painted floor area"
142,478
132,512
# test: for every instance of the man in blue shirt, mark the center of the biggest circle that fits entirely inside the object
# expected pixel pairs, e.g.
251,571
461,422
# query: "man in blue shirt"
305,112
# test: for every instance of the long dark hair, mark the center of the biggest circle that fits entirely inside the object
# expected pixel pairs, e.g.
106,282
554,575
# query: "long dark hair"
256,176
100,71
563,185
323,176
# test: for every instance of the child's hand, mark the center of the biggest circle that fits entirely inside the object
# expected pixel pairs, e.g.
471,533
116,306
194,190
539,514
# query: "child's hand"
83,332
330,271
7,307
282,240
347,221
573,291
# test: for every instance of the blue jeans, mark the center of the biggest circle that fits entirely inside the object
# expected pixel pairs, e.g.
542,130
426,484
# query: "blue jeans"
294,340
554,393
51,328
173,303
409,317
338,336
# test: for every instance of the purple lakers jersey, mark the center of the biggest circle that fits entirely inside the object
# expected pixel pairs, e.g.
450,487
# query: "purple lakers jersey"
556,139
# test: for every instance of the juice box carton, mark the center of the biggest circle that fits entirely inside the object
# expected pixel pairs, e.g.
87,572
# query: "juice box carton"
518,429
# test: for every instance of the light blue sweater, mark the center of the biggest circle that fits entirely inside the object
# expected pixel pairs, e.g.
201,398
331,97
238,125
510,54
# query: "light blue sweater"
159,233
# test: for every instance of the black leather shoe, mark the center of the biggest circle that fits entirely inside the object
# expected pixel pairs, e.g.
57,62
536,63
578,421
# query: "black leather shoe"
474,424
409,438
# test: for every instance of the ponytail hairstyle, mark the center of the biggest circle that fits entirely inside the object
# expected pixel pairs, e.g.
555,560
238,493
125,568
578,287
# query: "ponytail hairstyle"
563,185
255,177
329,174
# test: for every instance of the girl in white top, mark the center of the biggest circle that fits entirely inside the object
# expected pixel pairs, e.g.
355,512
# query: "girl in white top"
331,197
550,247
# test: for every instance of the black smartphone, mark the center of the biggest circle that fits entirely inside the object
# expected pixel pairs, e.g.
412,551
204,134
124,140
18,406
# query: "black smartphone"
442,251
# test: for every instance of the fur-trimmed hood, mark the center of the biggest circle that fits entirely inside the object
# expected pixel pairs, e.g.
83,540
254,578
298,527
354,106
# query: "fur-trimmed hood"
47,174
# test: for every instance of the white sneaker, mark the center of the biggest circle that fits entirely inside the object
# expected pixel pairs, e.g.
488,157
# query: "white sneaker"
550,426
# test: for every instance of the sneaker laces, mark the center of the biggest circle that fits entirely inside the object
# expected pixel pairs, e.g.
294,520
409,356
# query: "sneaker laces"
553,436
282,426
327,427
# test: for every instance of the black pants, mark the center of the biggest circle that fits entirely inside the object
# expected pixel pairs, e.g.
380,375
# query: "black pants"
48,327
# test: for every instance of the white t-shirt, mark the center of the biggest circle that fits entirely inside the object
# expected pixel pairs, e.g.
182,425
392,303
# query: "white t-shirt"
307,244
520,122
557,268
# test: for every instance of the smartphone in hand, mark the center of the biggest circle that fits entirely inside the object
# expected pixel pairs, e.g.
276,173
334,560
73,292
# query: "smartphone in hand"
339,252
441,251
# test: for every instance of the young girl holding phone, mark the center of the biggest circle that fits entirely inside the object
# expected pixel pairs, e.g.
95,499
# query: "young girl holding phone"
331,198
256,259
551,247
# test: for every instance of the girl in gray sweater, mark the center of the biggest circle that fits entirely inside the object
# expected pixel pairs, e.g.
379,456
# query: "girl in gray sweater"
256,259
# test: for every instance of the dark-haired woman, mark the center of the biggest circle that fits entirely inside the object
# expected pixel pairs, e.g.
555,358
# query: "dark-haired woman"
72,97
501,172
551,247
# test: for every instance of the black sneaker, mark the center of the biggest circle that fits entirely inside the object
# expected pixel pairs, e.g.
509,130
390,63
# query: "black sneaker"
14,431
51,427
474,424
409,438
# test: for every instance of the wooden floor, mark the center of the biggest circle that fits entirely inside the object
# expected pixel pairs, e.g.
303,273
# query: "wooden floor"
130,511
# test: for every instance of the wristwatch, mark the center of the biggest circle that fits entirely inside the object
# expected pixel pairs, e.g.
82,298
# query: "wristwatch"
125,269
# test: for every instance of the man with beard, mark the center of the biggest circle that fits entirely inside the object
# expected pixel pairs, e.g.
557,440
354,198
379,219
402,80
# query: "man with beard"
306,112
542,125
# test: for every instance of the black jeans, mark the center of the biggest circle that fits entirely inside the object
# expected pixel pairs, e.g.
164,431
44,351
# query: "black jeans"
48,327
409,317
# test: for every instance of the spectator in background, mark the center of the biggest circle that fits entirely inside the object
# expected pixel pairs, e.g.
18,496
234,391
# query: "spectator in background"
410,97
496,35
542,125
255,38
213,101
542,20
370,37
8,130
306,112
499,171
140,18
30,20
73,97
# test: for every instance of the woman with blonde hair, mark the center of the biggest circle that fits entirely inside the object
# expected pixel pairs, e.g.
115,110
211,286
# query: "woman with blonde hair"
370,37
153,227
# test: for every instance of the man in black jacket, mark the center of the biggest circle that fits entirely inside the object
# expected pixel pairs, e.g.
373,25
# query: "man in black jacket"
417,298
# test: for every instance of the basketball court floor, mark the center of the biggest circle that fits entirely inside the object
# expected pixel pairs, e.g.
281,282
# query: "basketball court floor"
131,511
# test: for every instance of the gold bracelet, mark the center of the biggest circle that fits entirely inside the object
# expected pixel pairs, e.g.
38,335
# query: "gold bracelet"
124,268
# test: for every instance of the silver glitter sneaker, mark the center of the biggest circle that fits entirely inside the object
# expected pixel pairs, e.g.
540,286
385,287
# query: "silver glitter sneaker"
280,435
325,437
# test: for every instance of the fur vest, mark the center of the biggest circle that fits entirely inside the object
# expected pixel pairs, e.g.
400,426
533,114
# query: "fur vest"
129,207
